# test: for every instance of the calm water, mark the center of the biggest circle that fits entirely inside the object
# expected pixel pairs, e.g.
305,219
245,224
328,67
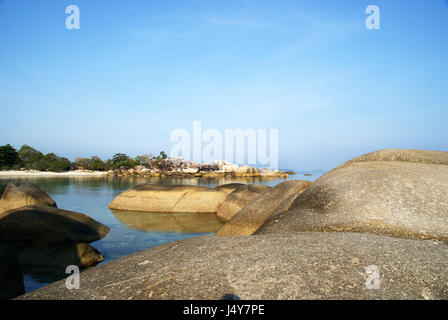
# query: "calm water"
129,231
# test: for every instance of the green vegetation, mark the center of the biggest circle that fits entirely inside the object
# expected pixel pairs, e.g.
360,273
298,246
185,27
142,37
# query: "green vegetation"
29,158
8,157
122,160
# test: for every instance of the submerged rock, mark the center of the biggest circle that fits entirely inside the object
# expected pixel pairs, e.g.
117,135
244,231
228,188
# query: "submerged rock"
19,194
277,266
401,193
251,217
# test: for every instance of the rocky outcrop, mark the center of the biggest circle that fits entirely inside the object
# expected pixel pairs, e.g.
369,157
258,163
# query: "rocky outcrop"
277,266
251,217
18,194
401,193
178,167
240,198
165,198
246,171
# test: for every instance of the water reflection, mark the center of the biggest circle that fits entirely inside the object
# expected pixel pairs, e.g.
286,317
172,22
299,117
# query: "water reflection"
170,222
194,181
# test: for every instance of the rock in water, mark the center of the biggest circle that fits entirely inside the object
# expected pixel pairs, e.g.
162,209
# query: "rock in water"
19,194
240,198
51,237
180,199
309,265
401,193
58,255
47,224
11,278
251,217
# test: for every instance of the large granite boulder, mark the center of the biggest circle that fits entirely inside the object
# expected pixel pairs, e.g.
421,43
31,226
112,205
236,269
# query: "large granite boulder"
48,236
239,198
11,278
19,194
172,198
276,266
402,155
401,193
246,171
48,224
251,217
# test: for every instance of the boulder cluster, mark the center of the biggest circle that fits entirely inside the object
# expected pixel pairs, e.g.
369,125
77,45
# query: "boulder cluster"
224,200
186,168
34,232
375,227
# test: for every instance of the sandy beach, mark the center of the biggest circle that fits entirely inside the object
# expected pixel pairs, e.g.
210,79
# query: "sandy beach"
17,173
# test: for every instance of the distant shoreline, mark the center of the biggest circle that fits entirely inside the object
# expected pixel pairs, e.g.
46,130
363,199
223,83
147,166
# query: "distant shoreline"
18,173
146,173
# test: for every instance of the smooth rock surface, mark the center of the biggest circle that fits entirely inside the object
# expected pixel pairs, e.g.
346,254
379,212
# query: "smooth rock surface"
406,197
19,194
240,198
402,155
251,217
278,266
175,198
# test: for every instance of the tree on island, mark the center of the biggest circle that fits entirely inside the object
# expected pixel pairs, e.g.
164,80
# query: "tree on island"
145,160
8,157
29,158
81,163
52,162
28,155
95,163
161,156
123,160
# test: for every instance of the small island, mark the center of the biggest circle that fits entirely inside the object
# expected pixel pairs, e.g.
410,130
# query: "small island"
29,161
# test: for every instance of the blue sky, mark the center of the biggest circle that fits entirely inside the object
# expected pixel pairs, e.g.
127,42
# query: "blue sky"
136,70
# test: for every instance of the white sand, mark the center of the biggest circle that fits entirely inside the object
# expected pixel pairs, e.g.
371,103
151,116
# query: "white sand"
16,173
